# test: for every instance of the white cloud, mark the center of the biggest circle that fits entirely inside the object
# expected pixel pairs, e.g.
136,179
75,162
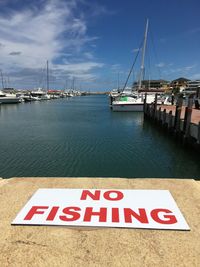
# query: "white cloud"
183,70
188,68
160,65
189,71
28,38
88,55
82,71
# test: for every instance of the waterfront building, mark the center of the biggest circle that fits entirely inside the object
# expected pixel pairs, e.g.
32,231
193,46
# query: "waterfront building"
153,85
193,85
179,83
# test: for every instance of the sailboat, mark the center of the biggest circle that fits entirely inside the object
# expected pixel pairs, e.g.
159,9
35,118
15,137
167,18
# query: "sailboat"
45,96
40,94
8,98
134,102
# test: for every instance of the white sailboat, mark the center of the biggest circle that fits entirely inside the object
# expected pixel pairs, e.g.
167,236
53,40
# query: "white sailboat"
8,98
40,94
46,96
134,102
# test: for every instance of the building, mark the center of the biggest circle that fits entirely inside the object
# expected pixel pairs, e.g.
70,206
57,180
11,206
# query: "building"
179,83
193,85
153,85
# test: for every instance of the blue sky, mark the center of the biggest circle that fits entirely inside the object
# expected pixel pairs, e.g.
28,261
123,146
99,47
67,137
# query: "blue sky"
94,42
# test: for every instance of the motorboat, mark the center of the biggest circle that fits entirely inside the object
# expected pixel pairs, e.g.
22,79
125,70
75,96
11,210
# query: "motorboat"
9,98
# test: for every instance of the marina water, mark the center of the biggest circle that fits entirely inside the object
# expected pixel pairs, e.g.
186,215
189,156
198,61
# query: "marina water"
82,137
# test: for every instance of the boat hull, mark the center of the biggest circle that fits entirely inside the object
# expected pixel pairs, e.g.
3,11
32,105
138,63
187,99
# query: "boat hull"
127,107
9,100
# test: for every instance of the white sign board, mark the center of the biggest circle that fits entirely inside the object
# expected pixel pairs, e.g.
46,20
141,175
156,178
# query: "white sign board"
152,209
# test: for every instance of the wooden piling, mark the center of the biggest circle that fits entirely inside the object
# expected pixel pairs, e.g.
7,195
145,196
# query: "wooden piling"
197,99
198,137
155,106
164,117
170,120
187,118
145,104
187,133
146,112
172,102
159,116
198,92
178,114
111,101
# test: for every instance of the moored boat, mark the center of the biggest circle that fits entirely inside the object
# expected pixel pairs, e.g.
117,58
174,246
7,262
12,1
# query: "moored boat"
9,99
134,100
132,103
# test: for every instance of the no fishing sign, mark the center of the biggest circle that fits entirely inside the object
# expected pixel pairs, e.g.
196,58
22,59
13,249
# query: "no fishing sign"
151,209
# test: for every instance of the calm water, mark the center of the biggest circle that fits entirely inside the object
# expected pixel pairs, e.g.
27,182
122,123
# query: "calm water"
80,136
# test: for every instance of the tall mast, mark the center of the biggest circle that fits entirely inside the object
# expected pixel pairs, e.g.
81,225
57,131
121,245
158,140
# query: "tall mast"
118,81
73,82
66,83
2,79
143,56
47,75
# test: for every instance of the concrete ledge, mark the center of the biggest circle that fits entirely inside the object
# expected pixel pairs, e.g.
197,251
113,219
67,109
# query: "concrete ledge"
65,246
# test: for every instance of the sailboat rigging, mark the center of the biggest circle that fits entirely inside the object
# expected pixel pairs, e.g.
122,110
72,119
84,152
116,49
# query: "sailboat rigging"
135,101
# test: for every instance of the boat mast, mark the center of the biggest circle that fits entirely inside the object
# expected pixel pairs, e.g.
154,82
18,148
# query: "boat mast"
118,81
47,75
2,79
66,84
143,56
73,82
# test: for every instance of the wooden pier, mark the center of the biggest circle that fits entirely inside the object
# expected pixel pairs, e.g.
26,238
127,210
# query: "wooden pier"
181,122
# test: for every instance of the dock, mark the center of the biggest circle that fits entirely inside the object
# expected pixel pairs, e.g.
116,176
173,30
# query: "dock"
93,246
181,122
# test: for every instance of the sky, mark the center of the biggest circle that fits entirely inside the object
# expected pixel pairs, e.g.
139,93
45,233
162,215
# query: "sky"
93,43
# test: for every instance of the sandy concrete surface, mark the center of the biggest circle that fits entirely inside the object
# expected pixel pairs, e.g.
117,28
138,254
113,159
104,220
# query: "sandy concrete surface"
65,246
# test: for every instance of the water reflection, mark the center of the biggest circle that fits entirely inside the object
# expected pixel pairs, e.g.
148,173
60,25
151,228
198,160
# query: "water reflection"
129,118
